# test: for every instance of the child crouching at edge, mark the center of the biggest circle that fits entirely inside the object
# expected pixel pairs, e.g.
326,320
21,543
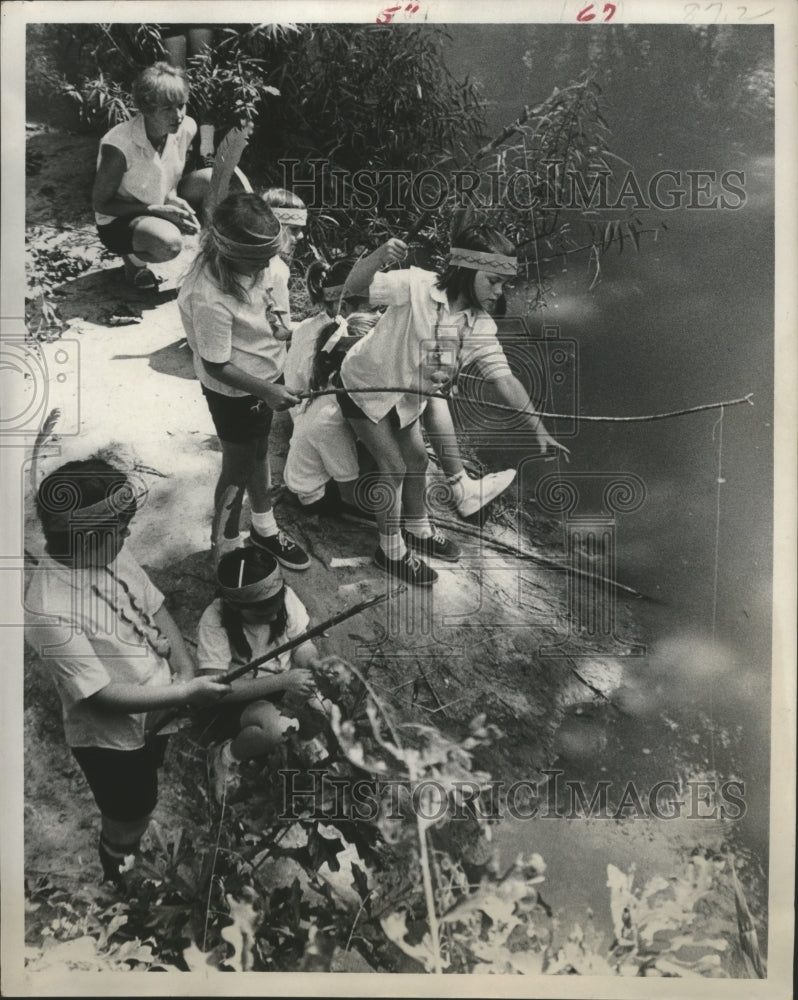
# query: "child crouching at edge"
323,447
254,613
103,633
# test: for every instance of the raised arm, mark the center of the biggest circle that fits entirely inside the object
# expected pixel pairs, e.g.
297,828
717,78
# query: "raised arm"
359,279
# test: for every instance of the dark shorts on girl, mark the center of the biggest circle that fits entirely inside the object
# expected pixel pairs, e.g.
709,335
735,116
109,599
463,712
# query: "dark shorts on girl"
124,782
352,411
239,419
117,236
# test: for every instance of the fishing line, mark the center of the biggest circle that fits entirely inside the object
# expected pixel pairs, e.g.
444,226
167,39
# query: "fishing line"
719,481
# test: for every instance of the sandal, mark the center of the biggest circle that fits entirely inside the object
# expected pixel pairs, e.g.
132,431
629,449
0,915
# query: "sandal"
145,280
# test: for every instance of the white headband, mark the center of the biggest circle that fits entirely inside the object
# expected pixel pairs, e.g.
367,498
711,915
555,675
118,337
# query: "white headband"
113,507
290,216
251,593
342,331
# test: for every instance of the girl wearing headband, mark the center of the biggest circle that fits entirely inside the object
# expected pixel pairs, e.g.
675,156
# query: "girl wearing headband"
232,323
433,325
113,650
291,213
327,286
254,612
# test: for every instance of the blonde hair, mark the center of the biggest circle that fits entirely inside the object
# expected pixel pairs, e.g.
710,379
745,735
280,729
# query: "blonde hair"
160,84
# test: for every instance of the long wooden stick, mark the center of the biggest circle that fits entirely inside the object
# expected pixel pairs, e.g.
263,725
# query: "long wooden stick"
285,647
518,553
538,413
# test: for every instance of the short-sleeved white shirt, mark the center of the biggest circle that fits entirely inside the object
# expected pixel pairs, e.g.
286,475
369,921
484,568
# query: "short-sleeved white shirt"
219,327
399,350
214,651
281,274
85,645
150,176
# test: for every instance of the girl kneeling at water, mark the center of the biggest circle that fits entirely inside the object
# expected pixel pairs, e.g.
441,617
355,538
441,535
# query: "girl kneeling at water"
434,325
254,613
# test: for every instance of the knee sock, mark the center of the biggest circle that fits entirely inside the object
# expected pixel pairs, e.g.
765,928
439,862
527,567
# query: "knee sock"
264,523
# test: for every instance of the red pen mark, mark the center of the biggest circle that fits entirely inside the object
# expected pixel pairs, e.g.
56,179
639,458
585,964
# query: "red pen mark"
586,13
388,13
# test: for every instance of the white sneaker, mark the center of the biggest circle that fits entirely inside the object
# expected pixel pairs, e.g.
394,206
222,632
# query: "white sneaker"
222,772
478,492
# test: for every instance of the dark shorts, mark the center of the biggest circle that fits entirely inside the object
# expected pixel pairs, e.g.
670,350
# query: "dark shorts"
124,782
235,419
117,236
352,411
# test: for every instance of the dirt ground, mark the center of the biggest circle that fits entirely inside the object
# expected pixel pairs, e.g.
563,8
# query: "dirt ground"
471,646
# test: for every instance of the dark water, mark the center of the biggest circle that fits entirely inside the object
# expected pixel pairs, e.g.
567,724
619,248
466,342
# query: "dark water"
688,320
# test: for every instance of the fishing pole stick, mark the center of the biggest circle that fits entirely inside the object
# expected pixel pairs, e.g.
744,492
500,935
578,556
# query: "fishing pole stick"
538,413
285,647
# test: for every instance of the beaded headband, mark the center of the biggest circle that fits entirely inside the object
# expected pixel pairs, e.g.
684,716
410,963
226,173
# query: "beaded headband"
290,216
251,253
122,502
260,590
482,260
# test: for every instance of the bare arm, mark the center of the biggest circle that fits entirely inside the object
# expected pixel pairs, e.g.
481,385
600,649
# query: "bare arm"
138,698
361,275
277,396
514,394
105,201
180,660
245,690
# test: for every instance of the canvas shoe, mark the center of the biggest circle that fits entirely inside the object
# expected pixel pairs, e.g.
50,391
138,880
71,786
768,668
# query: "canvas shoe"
409,569
437,546
285,551
473,494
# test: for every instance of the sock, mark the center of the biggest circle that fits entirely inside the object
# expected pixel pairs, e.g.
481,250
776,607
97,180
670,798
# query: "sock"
112,857
419,526
264,523
136,261
393,546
